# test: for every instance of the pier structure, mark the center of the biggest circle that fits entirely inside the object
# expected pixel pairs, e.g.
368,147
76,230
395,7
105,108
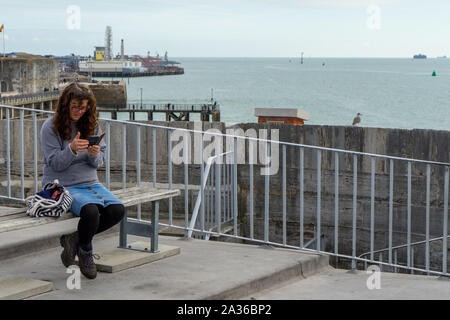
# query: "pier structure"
132,74
173,112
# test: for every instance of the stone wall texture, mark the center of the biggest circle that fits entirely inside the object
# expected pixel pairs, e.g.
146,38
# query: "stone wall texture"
110,95
29,75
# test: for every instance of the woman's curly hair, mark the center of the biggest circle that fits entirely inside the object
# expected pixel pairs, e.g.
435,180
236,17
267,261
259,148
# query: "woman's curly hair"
87,123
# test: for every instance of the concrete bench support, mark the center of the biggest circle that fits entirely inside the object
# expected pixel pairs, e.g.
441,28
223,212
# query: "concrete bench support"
120,259
130,255
138,195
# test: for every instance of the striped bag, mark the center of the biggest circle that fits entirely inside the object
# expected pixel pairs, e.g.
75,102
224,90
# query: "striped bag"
53,201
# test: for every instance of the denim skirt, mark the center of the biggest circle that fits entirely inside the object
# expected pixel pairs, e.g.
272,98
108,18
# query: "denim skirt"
90,194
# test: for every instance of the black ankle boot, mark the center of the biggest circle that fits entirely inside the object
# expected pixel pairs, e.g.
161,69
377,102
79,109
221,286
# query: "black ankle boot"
70,243
87,264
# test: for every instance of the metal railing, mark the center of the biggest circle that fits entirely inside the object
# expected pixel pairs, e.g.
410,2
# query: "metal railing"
215,198
393,254
325,194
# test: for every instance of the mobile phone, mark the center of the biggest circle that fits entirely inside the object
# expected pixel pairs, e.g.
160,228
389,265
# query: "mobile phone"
95,140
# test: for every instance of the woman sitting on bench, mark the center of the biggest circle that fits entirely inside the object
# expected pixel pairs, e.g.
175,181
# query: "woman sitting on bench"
69,158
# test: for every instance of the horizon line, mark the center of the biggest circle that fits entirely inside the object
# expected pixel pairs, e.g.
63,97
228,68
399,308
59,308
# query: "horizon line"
257,57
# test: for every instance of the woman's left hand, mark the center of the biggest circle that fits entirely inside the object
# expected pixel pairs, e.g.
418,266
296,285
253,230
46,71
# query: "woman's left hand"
93,150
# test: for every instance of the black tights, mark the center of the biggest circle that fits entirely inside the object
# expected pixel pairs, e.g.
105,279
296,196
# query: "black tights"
95,218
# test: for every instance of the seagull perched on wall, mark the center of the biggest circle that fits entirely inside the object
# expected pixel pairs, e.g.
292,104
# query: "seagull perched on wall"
357,119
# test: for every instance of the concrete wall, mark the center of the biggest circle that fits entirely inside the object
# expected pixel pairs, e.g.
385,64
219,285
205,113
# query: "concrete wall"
110,95
418,144
29,75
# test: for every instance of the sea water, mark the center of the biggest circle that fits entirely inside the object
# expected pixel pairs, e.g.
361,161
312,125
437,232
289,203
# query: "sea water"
391,93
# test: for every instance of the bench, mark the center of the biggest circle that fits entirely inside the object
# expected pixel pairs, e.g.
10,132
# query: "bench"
16,218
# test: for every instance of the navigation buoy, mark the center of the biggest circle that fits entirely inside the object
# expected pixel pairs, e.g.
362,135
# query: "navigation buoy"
433,74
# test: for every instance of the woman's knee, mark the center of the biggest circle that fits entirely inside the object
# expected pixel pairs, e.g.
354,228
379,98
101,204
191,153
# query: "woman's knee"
115,210
89,212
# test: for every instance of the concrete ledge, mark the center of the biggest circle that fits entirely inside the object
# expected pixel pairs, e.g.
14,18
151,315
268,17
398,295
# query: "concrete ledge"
14,288
282,112
305,267
120,259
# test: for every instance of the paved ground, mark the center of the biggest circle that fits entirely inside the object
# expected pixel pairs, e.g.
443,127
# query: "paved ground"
203,270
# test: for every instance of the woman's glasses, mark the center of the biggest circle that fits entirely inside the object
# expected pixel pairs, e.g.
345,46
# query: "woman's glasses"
78,108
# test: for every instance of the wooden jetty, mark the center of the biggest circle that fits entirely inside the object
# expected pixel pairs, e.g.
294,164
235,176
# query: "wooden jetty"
173,112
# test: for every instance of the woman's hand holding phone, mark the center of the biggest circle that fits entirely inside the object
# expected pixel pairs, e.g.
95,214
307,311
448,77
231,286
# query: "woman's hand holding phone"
93,150
79,145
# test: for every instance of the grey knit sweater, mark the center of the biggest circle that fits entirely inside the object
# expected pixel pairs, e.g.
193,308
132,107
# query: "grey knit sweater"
62,164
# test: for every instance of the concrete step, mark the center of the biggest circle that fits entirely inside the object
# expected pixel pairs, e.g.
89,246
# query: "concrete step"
305,267
332,284
15,288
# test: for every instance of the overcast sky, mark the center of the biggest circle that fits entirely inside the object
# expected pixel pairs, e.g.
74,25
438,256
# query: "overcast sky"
231,28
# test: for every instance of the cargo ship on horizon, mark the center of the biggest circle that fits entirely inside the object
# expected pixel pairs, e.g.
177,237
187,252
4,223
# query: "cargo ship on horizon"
420,56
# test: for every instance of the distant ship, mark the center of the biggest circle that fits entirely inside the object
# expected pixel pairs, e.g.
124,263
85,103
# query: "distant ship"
420,56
